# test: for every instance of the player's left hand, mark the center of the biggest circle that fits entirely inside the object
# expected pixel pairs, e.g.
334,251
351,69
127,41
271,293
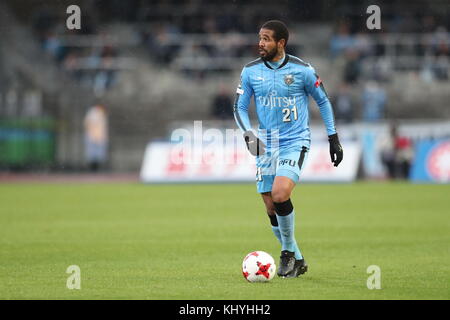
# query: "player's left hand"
254,144
336,151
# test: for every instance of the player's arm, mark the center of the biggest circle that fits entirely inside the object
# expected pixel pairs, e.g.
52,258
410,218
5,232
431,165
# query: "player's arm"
244,93
315,88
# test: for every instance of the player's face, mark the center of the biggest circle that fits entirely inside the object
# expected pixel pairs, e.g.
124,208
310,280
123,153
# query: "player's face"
268,46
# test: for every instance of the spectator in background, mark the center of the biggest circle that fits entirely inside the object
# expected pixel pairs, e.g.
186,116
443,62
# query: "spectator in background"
105,77
404,156
71,64
374,101
96,136
222,106
441,67
352,69
440,42
397,154
52,45
341,40
440,46
381,70
363,44
343,104
163,42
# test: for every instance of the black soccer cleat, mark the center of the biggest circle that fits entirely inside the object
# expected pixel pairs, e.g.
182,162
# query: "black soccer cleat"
300,267
287,263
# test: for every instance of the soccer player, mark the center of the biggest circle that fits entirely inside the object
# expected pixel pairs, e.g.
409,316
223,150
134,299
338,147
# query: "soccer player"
280,84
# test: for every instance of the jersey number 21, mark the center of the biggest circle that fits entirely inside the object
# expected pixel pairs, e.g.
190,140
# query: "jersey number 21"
287,114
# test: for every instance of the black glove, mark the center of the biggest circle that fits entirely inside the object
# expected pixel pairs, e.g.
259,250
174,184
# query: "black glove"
254,145
336,151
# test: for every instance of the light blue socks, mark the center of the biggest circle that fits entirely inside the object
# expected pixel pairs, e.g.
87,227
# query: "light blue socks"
276,232
285,234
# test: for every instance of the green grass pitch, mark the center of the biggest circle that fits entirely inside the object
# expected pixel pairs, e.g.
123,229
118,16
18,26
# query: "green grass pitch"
134,241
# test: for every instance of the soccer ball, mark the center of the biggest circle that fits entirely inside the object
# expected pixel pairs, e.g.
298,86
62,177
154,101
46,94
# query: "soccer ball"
258,266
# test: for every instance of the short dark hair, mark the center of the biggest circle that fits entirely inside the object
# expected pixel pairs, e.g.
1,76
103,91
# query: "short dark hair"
280,31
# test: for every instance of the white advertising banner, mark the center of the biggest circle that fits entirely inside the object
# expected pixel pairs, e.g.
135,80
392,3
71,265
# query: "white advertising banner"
320,169
166,162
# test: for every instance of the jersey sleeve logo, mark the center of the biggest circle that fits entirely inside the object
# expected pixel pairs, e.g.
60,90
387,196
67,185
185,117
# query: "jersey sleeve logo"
239,89
289,79
318,81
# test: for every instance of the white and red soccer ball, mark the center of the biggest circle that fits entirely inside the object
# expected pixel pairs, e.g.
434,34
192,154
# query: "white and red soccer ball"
258,266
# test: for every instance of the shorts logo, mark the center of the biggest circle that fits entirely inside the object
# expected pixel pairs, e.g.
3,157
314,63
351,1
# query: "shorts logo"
287,161
289,79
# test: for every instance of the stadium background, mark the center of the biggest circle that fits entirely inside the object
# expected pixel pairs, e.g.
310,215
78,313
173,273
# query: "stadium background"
157,65
161,65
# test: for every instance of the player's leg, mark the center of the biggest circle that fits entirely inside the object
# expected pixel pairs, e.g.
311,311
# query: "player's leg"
283,187
292,263
270,209
281,197
265,174
290,164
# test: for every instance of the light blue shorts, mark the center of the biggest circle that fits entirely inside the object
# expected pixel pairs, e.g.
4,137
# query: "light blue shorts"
285,161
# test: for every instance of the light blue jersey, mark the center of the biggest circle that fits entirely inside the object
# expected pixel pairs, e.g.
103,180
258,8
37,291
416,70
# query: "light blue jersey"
281,97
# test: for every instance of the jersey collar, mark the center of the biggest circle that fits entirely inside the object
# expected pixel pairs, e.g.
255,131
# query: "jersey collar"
285,61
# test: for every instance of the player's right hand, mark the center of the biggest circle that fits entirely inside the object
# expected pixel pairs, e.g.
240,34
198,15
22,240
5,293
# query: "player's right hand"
254,145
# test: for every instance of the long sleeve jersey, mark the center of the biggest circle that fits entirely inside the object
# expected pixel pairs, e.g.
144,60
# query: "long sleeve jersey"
281,98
